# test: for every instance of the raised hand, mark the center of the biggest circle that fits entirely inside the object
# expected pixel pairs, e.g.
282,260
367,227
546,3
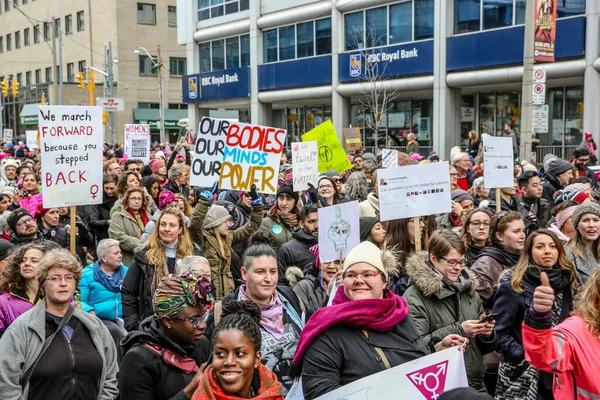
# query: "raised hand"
543,296
255,199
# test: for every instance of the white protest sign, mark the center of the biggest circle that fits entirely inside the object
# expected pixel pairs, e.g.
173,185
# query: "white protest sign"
31,140
207,153
8,135
389,158
71,141
425,378
306,164
139,147
414,191
135,129
499,162
339,230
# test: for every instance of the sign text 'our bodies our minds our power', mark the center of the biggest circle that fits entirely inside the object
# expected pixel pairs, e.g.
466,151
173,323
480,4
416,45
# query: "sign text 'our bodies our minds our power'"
71,145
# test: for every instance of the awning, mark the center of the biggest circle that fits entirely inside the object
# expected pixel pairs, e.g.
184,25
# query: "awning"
150,116
29,114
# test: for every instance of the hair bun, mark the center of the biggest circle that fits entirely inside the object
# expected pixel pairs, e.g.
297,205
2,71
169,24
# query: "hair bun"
242,308
259,237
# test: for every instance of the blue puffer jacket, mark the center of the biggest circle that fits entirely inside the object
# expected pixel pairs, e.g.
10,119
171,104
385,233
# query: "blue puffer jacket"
94,296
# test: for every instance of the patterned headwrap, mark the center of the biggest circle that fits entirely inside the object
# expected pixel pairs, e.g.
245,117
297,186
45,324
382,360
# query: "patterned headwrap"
176,292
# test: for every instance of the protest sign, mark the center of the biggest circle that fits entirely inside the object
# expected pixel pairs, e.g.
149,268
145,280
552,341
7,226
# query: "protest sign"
207,154
139,147
134,129
71,141
31,140
498,161
306,165
425,378
7,135
352,139
251,156
389,158
339,230
331,152
413,191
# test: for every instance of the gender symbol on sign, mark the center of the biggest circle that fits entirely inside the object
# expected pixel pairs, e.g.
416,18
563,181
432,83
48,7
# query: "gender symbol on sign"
94,191
325,153
431,380
538,89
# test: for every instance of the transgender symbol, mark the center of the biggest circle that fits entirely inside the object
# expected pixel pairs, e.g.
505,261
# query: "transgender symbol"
431,380
339,231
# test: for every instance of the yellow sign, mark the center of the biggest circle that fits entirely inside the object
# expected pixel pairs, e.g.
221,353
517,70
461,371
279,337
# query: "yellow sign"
331,151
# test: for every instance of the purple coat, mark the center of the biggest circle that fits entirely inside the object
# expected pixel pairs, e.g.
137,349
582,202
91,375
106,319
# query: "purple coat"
12,305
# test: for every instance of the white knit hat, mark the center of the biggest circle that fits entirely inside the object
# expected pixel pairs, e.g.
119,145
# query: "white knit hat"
367,252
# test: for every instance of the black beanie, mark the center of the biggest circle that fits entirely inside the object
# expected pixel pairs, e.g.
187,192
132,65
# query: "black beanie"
16,216
366,224
5,248
287,190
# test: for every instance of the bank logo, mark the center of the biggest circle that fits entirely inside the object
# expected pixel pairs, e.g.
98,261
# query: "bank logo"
355,65
193,87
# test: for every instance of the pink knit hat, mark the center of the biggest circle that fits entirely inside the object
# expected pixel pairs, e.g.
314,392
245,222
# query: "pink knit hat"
165,198
156,164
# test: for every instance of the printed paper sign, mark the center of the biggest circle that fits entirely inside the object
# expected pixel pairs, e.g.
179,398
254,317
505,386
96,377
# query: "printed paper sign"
139,147
8,135
31,140
425,378
389,158
414,191
499,162
251,156
207,154
339,230
352,139
306,165
545,30
71,140
135,129
331,152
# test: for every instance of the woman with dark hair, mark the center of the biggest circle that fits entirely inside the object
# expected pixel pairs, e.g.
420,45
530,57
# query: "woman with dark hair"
372,230
194,195
543,251
131,180
473,145
283,217
400,239
328,191
475,233
99,214
29,195
239,329
152,187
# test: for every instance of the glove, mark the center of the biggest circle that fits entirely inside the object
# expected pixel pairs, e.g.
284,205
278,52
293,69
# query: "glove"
210,194
255,199
313,194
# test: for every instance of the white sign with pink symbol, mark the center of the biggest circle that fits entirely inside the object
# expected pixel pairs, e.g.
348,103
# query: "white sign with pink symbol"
425,378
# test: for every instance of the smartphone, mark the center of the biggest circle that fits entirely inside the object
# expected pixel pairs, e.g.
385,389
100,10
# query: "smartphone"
488,318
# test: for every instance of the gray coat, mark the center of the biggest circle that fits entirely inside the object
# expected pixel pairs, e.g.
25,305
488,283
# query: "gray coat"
23,340
584,265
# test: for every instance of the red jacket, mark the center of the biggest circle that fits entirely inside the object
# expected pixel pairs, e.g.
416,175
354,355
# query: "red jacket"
568,350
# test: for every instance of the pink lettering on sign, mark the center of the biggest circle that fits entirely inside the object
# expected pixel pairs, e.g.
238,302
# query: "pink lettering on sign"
431,380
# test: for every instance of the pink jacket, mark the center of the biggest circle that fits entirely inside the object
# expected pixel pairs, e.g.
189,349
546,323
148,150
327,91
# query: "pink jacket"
31,203
571,352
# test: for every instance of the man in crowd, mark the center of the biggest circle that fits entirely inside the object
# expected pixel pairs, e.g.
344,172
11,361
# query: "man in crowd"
23,226
8,173
462,163
413,145
557,174
113,167
531,198
511,133
178,178
580,160
296,252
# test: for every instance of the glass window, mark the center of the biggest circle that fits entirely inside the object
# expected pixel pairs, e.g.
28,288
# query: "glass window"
569,8
270,45
81,66
423,19
56,27
177,66
20,78
69,24
287,43
574,116
232,8
80,21
17,40
70,72
8,42
305,38
376,26
554,137
1,44
323,33
232,48
146,14
497,13
146,66
172,16
218,55
508,111
244,5
354,30
7,5
26,34
36,34
28,78
38,76
520,12
422,118
205,57
400,23
245,50
398,123
467,16
48,74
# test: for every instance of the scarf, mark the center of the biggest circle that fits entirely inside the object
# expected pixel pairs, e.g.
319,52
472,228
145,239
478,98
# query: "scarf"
271,315
472,253
379,315
290,219
111,282
170,249
498,252
462,284
208,388
141,217
559,279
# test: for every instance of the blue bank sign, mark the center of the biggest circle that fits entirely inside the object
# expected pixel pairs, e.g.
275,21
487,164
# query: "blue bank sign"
217,85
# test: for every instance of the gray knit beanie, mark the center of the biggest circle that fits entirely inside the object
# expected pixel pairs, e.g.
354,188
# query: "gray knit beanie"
460,195
557,166
215,216
585,208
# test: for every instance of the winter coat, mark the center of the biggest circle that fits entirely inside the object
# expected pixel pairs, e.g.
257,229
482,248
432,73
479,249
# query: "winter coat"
413,147
584,265
220,266
172,187
99,215
487,270
152,224
369,207
13,304
473,148
278,231
515,205
4,182
439,311
145,375
550,185
125,229
312,294
542,214
295,252
22,343
96,297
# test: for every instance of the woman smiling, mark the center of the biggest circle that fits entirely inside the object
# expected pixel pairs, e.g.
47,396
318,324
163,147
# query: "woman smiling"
583,250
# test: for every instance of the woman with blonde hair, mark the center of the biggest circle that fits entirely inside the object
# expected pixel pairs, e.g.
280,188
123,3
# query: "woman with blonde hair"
167,245
583,250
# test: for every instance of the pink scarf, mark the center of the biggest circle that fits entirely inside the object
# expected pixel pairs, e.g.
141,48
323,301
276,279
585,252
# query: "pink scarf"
271,315
379,315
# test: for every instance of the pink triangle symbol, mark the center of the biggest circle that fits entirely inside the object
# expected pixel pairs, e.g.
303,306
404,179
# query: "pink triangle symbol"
431,380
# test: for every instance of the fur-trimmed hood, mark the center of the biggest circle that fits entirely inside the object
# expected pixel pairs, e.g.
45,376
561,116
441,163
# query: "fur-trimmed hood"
293,275
426,280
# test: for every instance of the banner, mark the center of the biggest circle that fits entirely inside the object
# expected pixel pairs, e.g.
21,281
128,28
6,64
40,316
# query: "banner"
31,140
352,139
414,191
331,152
545,30
499,162
306,165
389,158
251,155
425,378
207,153
135,129
8,135
339,230
139,147
71,140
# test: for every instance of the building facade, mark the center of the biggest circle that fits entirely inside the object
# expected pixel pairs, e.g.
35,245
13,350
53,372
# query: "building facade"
449,66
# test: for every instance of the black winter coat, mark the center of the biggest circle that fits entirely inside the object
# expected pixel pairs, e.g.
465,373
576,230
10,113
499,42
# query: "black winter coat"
550,186
172,187
295,254
99,215
144,375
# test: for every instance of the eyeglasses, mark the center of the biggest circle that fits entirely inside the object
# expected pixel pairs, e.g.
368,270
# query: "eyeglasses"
336,262
194,321
325,187
477,224
337,180
367,275
453,263
454,174
58,278
24,222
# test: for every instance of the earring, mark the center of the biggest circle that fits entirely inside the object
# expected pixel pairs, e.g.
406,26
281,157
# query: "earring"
169,327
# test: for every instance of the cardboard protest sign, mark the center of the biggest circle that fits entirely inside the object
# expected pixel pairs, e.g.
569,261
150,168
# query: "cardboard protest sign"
207,153
498,162
306,165
7,135
139,147
71,140
352,139
331,152
389,158
413,191
135,129
31,140
425,378
251,155
339,230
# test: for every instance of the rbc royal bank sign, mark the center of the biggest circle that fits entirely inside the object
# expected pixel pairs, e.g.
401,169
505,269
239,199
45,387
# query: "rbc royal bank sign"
217,85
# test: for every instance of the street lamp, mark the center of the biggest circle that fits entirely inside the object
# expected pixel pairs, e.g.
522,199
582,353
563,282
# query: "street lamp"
157,63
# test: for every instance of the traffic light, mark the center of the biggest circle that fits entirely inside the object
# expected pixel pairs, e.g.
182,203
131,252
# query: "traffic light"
15,88
80,83
104,117
92,83
4,84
